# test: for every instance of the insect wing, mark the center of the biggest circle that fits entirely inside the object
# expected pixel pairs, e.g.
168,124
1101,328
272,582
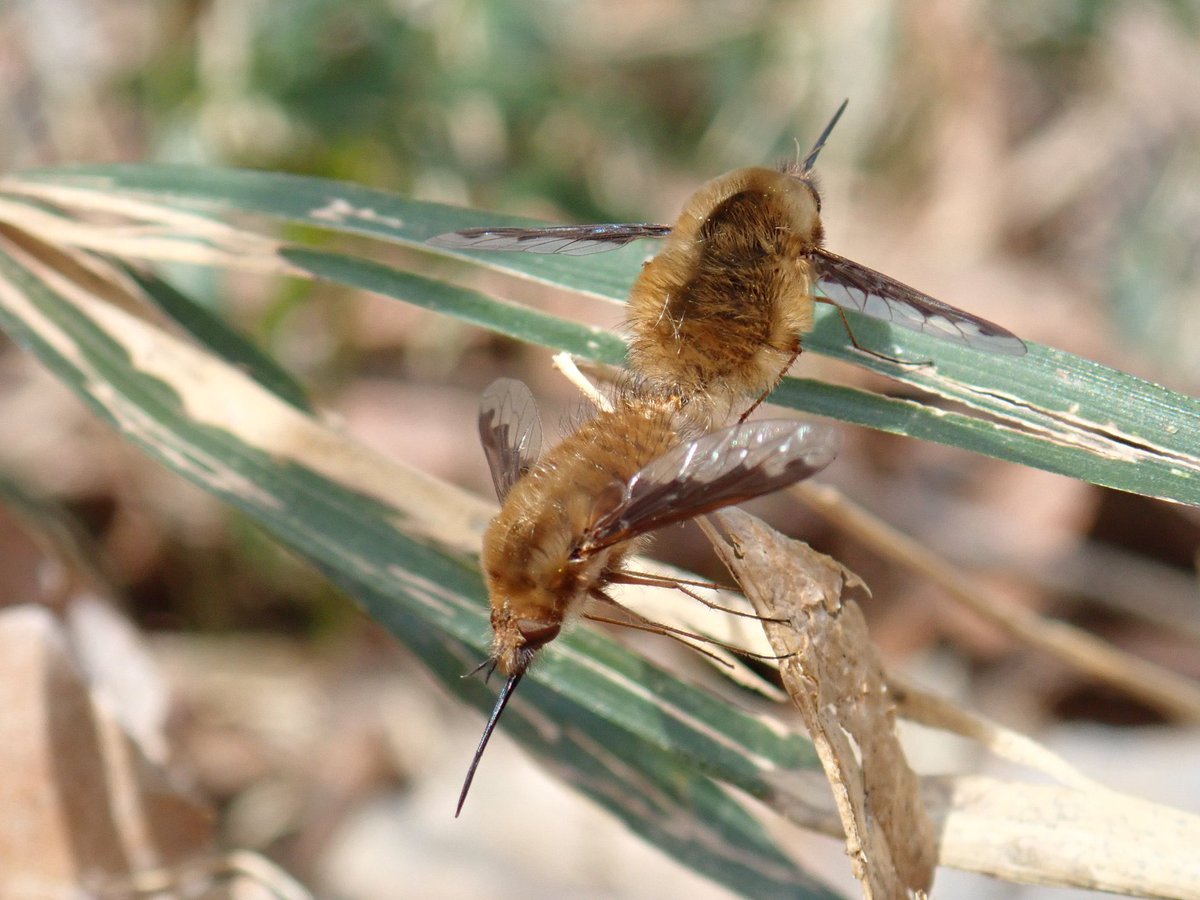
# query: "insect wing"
716,470
572,240
847,284
510,431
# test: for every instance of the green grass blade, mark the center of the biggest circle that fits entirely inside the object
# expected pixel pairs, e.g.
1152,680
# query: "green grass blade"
212,332
1048,409
1154,460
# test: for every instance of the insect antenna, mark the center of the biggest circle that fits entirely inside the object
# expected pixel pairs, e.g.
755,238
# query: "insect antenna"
811,159
502,701
489,664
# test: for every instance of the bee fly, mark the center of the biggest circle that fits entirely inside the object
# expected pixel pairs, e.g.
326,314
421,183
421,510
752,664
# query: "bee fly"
569,519
720,311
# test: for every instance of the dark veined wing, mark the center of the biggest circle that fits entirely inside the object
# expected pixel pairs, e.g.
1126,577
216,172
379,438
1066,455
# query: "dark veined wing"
716,470
845,283
573,240
510,431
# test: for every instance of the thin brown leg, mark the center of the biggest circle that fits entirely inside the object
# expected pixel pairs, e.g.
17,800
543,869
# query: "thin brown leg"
592,617
680,584
778,380
640,623
869,352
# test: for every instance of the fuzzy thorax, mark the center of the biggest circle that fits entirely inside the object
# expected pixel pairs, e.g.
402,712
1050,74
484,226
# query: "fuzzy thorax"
720,310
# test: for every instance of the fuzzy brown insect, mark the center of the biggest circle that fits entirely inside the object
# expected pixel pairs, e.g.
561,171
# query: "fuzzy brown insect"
715,318
569,519
720,312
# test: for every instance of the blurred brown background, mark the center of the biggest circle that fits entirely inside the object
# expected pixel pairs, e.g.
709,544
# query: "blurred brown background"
1038,164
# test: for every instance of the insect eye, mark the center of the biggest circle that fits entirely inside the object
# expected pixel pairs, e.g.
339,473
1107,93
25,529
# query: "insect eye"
537,634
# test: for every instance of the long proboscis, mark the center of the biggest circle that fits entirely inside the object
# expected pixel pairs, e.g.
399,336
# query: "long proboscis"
811,159
502,701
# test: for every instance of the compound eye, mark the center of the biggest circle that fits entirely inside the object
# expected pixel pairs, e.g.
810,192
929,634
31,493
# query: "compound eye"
537,634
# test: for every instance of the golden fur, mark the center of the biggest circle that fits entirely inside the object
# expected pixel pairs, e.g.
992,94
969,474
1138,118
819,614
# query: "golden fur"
534,580
718,313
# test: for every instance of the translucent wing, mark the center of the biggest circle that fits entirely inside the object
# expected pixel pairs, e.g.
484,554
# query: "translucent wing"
716,470
510,431
573,240
845,283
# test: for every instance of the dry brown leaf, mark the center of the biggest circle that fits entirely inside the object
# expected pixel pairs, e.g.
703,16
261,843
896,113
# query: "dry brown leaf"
1047,834
932,711
84,804
1037,833
834,678
136,229
1173,694
1078,835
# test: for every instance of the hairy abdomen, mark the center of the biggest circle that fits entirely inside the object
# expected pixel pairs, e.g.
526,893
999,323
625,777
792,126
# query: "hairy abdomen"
528,548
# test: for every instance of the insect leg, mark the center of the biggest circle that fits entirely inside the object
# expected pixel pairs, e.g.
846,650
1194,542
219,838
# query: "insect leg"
778,381
638,622
653,629
861,349
681,585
